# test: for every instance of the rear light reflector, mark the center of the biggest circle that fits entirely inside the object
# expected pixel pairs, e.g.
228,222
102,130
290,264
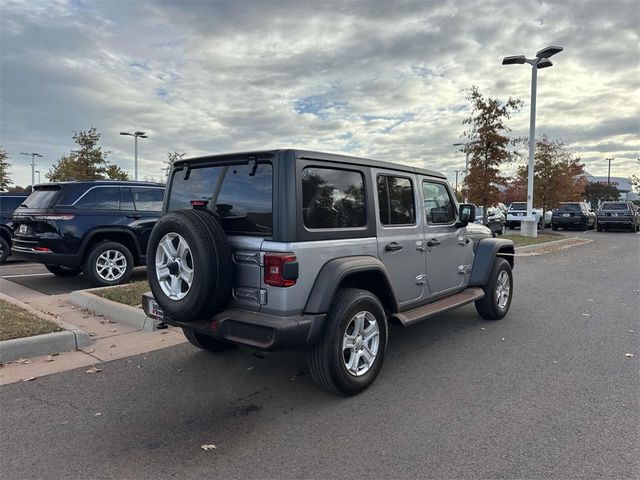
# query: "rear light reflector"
41,249
55,216
280,269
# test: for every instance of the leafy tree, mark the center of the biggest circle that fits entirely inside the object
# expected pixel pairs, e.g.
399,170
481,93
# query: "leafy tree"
5,180
595,193
487,147
558,175
635,179
172,157
114,172
88,162
19,189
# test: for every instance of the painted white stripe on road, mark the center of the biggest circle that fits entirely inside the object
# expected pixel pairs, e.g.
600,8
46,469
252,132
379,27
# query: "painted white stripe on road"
26,275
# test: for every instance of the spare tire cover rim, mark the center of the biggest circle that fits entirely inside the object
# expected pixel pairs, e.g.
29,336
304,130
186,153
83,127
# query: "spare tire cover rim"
174,266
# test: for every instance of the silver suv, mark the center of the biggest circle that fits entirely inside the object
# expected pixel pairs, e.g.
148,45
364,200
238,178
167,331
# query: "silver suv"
292,249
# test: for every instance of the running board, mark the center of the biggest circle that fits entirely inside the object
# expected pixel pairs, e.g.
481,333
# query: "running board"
439,306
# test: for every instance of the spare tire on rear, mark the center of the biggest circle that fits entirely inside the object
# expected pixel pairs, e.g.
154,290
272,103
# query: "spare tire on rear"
189,265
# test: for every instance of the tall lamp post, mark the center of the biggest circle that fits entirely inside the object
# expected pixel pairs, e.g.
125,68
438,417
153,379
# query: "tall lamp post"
135,136
33,166
466,159
528,227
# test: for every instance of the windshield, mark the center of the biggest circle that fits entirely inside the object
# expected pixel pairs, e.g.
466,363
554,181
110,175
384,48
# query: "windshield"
41,198
569,207
518,206
614,206
243,202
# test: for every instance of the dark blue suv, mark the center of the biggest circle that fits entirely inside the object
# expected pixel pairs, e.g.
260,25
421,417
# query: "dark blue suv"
99,228
8,203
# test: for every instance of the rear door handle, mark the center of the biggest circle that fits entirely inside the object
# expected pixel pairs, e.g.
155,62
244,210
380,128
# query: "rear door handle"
393,247
434,242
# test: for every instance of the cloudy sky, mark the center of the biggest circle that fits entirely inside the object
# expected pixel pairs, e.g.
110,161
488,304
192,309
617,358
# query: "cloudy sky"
373,78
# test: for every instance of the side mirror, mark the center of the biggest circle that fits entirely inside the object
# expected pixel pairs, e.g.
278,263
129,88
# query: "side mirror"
466,214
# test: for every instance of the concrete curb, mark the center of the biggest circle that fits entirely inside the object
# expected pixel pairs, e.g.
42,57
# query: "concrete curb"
539,246
115,311
72,338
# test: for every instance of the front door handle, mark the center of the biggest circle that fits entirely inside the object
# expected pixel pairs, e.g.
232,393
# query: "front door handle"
434,242
393,247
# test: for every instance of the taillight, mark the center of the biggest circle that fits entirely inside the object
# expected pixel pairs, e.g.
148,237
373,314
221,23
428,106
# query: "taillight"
280,269
55,216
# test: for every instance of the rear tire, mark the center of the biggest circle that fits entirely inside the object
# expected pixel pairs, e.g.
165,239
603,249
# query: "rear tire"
62,271
350,353
108,264
495,304
4,250
599,228
205,342
554,227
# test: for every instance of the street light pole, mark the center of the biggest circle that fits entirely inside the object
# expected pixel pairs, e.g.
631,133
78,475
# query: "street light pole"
457,181
135,136
33,166
609,172
528,227
466,159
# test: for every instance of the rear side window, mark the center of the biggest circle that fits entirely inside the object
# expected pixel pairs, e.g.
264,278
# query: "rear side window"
148,199
41,198
333,198
242,198
438,204
100,198
396,200
9,204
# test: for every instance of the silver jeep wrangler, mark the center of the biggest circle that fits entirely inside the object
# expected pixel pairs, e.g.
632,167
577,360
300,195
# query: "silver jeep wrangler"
291,249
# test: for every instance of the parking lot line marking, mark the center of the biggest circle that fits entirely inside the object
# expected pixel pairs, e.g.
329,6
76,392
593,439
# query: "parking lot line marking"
26,275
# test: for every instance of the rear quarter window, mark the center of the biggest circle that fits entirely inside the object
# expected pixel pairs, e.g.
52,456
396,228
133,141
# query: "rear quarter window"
42,198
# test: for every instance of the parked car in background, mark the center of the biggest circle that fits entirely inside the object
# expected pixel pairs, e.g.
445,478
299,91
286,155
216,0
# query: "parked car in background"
8,203
618,215
518,210
573,215
99,228
495,219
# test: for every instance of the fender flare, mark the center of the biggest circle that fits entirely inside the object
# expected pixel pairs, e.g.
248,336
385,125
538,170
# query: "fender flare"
485,256
92,233
334,271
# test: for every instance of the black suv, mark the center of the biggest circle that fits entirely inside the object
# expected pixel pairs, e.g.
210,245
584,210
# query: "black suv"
99,228
573,215
8,203
618,215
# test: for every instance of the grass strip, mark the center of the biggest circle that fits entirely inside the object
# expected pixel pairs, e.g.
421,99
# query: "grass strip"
16,322
129,294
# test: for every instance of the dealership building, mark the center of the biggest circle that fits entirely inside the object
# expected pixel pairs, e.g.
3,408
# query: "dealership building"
623,185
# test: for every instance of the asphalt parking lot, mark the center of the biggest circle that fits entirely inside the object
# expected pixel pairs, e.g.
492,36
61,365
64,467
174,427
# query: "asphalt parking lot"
545,393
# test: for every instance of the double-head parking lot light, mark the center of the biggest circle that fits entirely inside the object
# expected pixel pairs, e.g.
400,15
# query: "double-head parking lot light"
135,136
529,225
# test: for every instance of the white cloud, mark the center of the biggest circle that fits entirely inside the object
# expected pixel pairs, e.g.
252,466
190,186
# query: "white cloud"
375,79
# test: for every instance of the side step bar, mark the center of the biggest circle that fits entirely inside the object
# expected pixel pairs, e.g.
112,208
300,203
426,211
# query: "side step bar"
439,306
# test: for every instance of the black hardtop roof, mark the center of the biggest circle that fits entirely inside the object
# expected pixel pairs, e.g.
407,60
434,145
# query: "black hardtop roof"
308,154
101,182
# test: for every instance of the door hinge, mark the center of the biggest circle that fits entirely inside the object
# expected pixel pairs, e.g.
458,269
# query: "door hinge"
463,240
421,279
463,269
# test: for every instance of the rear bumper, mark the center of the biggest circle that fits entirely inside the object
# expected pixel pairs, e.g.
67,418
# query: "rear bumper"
616,221
568,221
47,258
253,329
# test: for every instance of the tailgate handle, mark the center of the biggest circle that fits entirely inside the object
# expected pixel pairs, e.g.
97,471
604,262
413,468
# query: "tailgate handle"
135,217
393,247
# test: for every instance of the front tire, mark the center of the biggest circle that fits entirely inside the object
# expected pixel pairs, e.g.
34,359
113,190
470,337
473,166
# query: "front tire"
62,271
205,342
350,353
4,250
108,264
498,292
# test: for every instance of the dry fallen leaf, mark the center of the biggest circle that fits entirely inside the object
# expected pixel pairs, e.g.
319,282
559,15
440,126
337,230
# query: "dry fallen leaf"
555,362
586,314
28,379
23,360
631,331
98,414
250,368
208,447
482,328
164,332
94,370
50,358
628,354
91,334
113,330
113,345
54,354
